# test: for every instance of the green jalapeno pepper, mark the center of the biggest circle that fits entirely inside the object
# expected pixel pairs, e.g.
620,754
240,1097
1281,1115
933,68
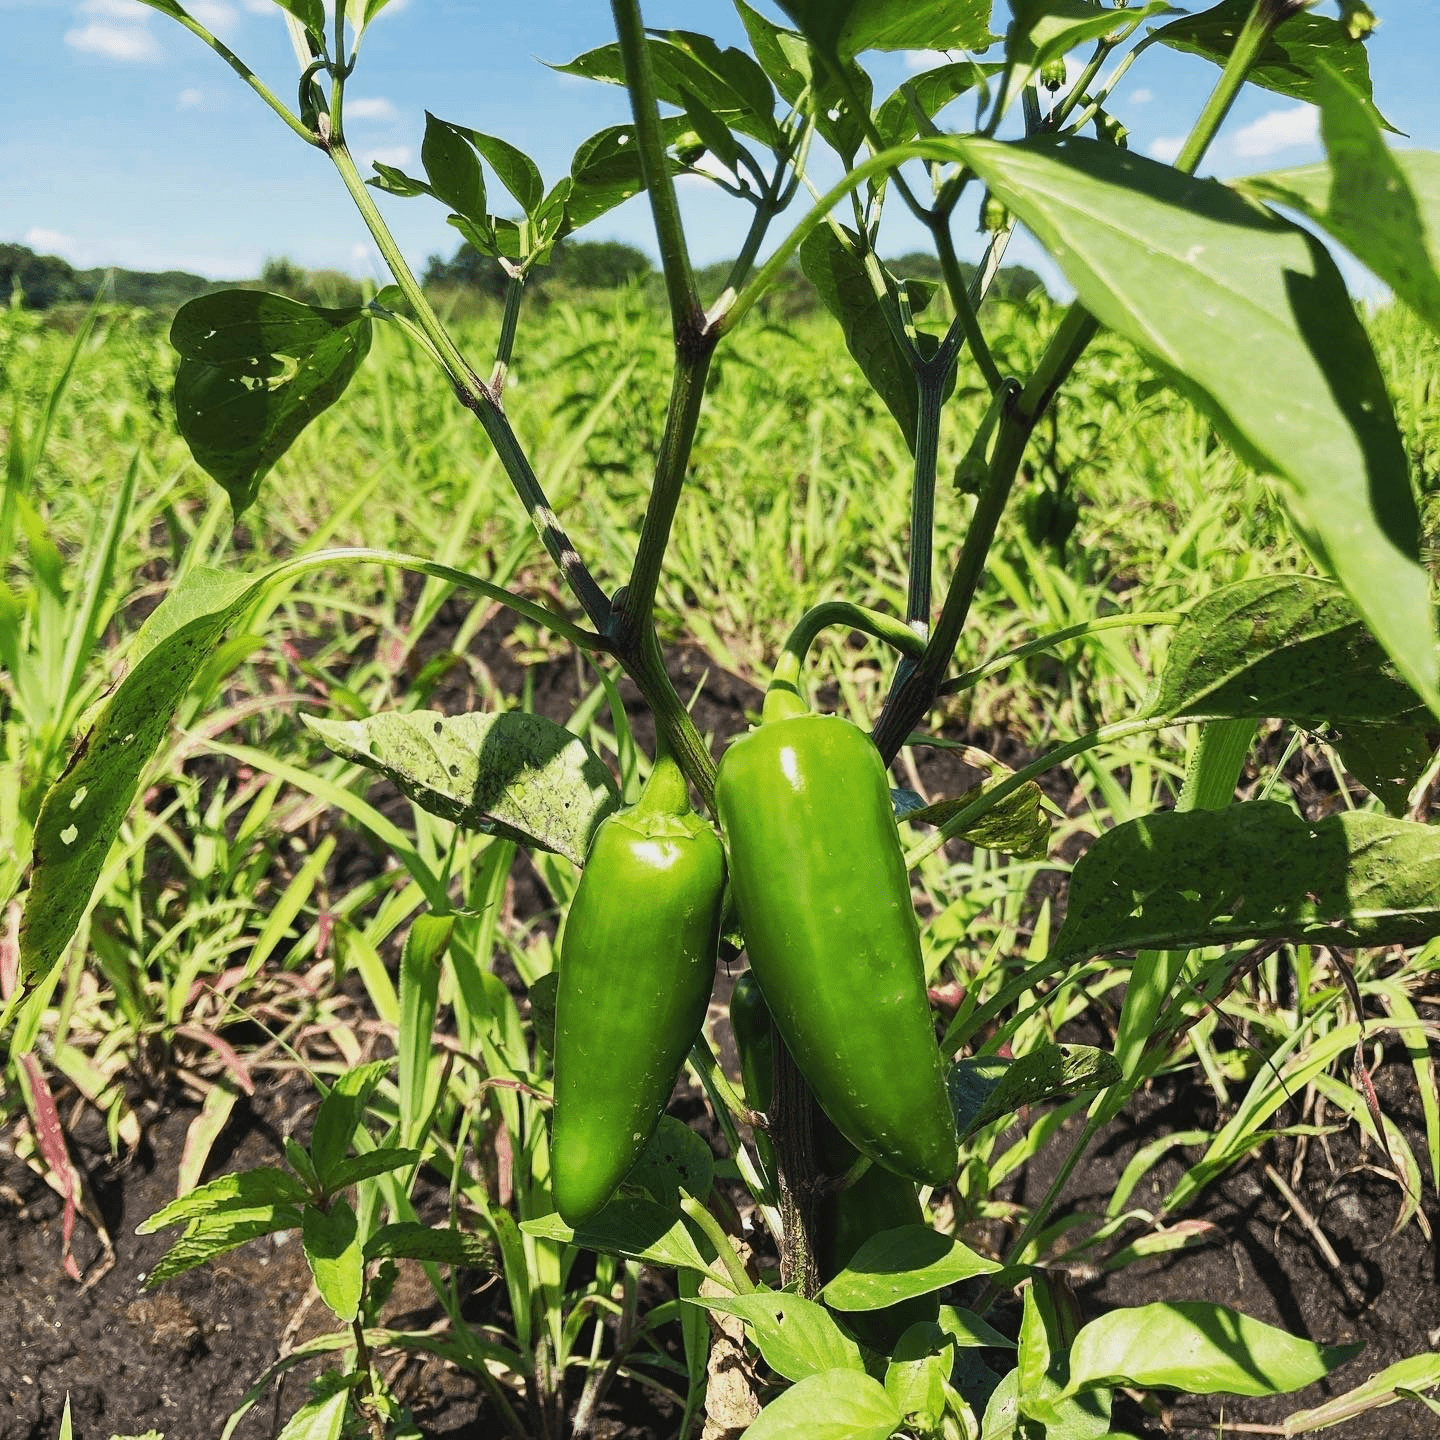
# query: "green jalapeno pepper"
819,880
636,967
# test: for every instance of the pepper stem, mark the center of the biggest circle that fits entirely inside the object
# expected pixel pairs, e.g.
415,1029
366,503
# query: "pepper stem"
666,791
783,698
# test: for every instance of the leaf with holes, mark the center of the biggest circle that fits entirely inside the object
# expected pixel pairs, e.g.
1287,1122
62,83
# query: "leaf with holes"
1291,62
511,773
1256,871
254,371
797,1337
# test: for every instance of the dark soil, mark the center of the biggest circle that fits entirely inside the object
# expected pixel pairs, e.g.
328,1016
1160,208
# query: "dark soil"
180,1360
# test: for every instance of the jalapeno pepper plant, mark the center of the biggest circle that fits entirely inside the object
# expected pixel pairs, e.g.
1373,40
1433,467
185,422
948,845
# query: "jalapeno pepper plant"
1210,281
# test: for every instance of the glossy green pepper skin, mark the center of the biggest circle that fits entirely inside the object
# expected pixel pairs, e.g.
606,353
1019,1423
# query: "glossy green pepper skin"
636,967
819,880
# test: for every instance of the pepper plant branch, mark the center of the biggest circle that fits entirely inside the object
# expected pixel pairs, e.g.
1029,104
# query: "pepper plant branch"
309,136
505,346
687,394
882,627
1058,637
908,698
659,185
930,392
966,305
478,398
1251,40
672,720
737,1279
982,804
1076,92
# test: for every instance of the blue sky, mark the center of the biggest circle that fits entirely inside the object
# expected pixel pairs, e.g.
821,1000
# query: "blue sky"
124,141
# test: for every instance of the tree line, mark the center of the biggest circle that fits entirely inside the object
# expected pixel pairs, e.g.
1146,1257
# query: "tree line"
41,282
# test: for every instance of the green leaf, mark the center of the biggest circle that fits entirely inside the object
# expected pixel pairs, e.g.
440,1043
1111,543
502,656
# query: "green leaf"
452,168
1383,205
1388,760
674,1158
444,1245
726,83
1287,647
318,1419
929,92
510,773
310,13
835,1405
339,1114
332,1246
83,809
916,1377
1417,1372
985,1088
418,1069
1250,314
848,27
1197,1347
1292,60
797,1337
243,1190
542,1008
380,1161
207,1238
1256,871
605,170
636,1229
1017,825
515,170
836,271
968,1331
396,182
255,370
896,1264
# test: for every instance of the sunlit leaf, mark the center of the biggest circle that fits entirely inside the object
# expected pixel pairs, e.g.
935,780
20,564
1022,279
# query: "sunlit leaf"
835,1405
1292,59
1256,871
1200,1348
1250,315
797,1337
1383,205
510,773
896,1264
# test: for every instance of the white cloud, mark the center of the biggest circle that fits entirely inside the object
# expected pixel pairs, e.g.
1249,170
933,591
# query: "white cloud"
369,108
190,98
47,242
260,7
925,59
1141,96
396,155
1166,149
1278,130
116,42
214,15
